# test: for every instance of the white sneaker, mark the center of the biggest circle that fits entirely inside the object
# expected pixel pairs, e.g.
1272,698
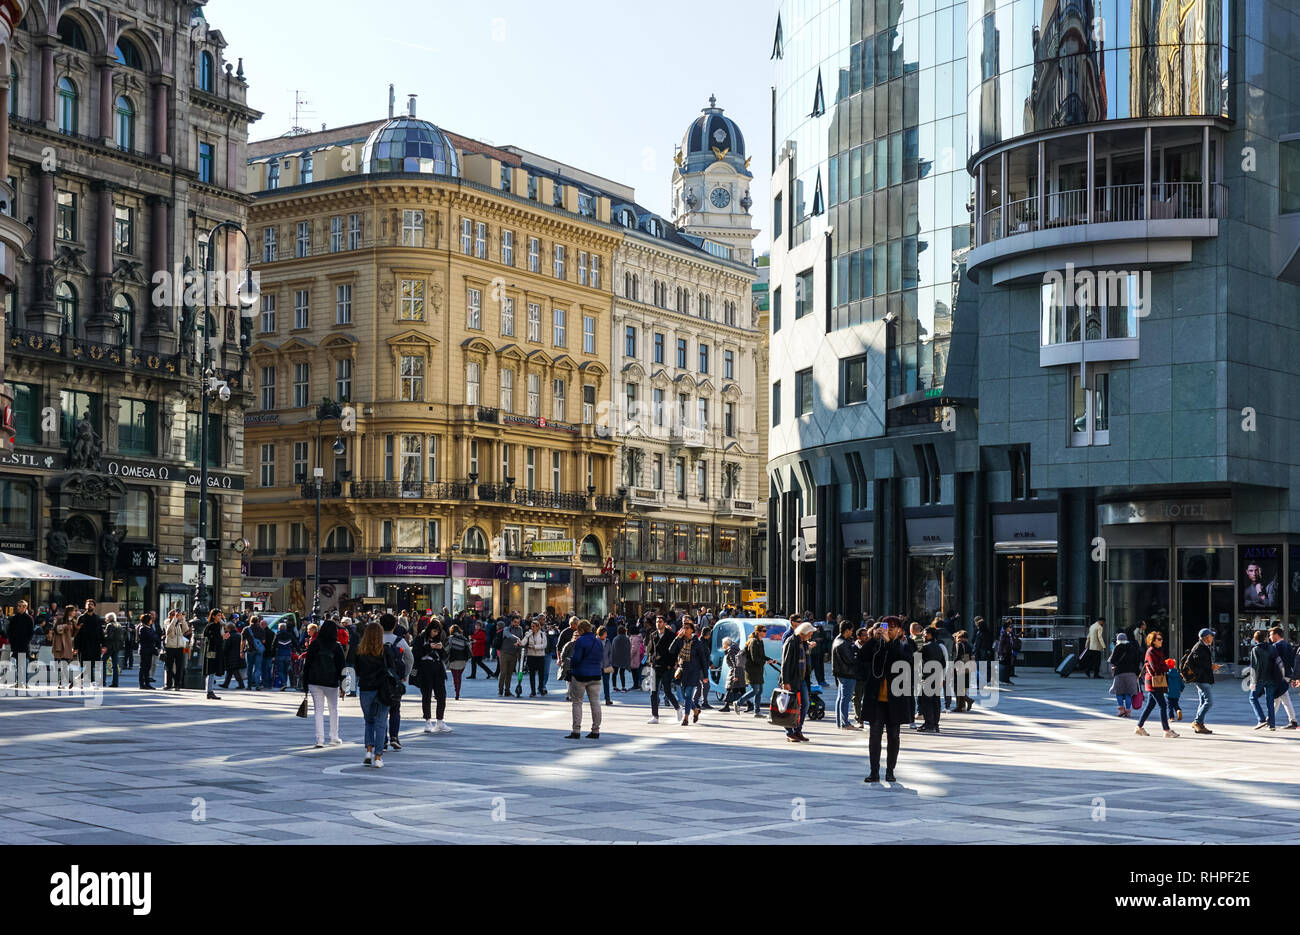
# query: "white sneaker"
1170,733
379,762
319,744
1141,733
653,720
336,742
442,728
428,727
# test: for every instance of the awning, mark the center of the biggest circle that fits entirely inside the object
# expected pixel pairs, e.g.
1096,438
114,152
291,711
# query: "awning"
1043,603
1025,545
15,566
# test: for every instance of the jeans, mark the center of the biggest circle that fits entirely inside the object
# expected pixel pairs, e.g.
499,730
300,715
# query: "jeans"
797,728
1265,692
844,703
322,695
254,663
663,681
376,715
604,681
1155,697
433,680
282,664
577,689
690,695
395,718
268,663
546,672
113,659
754,691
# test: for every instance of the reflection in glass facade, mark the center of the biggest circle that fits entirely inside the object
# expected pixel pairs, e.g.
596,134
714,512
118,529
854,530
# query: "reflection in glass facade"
1039,64
872,93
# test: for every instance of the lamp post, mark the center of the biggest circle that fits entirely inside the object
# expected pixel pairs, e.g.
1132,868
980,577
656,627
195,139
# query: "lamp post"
210,386
328,409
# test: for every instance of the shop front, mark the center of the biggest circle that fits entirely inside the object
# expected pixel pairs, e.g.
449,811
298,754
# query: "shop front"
930,566
473,585
410,584
536,589
135,578
596,593
729,593
13,590
1025,571
859,546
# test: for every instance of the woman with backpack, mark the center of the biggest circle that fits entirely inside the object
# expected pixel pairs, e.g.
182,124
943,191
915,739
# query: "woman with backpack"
458,656
1124,664
322,673
376,668
1157,683
430,665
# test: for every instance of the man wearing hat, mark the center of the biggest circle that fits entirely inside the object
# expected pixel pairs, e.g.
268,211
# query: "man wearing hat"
1201,663
794,676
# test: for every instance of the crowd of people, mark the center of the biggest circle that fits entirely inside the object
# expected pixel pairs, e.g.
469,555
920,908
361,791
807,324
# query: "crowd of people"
671,658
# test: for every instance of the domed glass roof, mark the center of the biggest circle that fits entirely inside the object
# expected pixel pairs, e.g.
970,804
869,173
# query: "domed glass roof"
405,144
712,137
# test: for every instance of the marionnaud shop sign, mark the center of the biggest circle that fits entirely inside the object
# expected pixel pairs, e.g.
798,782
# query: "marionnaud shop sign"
423,568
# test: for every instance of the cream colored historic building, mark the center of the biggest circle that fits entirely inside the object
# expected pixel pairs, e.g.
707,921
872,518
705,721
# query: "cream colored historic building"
455,298
125,145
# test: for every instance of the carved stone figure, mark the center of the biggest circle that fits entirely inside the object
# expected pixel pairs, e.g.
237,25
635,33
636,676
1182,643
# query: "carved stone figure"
84,449
56,546
109,544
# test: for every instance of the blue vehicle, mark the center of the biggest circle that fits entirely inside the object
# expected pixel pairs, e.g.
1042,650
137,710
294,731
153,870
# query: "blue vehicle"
740,629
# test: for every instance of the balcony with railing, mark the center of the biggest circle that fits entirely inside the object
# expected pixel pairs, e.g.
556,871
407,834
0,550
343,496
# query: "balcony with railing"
84,352
328,489
1129,197
406,490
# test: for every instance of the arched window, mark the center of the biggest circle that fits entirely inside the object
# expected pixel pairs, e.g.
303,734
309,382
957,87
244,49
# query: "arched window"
124,318
67,106
129,55
627,285
339,540
205,71
71,34
65,299
475,542
591,550
125,124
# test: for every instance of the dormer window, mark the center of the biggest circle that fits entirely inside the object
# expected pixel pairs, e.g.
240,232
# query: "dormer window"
625,218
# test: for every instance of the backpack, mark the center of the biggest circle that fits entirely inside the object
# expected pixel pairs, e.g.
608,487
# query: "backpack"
742,659
1185,666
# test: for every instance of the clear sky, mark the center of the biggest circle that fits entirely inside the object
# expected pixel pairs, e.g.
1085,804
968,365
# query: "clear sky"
606,86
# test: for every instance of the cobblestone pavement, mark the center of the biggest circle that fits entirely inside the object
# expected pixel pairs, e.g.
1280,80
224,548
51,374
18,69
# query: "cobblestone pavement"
1048,763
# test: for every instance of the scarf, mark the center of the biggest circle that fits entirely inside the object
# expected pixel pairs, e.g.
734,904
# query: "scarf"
684,655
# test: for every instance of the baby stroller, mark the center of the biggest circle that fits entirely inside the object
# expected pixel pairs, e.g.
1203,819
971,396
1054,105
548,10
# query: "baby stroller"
816,707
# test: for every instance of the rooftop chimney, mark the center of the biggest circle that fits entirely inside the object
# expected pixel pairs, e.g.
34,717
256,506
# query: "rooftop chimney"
392,100
410,104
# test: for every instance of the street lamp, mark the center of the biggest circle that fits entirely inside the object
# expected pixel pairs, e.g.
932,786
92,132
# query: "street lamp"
328,409
210,386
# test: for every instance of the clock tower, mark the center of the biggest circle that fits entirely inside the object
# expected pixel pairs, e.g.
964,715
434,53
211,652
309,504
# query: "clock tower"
711,184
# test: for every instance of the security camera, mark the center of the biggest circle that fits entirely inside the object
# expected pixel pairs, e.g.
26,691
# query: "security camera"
224,393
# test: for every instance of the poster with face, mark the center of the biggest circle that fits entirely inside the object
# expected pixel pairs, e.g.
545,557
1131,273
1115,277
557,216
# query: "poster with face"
1259,572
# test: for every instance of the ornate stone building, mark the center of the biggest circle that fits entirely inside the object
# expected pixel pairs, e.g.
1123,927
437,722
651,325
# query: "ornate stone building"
13,233
127,132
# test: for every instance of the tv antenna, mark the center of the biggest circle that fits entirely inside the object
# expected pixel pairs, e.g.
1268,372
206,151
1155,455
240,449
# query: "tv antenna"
299,111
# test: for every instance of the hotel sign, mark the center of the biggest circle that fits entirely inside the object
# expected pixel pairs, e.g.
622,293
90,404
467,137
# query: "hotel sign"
1167,511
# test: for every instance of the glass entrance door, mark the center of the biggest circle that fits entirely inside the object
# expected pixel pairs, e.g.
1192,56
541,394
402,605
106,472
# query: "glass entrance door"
1207,605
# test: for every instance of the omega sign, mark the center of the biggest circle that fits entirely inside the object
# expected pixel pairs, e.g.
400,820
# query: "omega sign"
127,469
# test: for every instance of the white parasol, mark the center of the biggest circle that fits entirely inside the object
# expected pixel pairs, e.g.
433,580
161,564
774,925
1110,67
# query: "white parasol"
15,566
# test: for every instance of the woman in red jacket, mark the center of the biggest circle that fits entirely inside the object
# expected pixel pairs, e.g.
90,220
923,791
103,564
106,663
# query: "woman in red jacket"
1156,681
478,652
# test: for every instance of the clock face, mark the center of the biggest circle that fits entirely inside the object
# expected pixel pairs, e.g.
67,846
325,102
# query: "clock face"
720,197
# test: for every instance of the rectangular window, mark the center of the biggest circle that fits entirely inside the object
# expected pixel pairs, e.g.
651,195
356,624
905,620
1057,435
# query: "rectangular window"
411,459
681,353
658,406
629,342
411,300
595,271
268,244
65,227
301,385
336,234
557,316
588,404
27,413
386,534
777,216
301,308
559,409
205,163
728,365
557,195
803,294
803,392
559,261
137,421
433,459
853,381
534,395
530,469
193,440
776,403
474,309
480,240
411,388
343,304
412,228
534,322
267,478
555,471
588,334
123,229
466,236
633,412
302,245
268,388
776,309
704,358
702,479
299,462
508,317
265,534
534,254
268,313
582,267
354,232
659,348
702,422
657,473
472,383
343,380
273,175
508,247
507,390
504,181
306,169
679,478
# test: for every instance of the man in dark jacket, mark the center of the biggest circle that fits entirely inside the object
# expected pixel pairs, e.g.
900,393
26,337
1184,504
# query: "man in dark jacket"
146,637
1265,677
1008,646
89,641
586,664
1284,653
21,628
690,656
794,676
886,700
658,646
844,666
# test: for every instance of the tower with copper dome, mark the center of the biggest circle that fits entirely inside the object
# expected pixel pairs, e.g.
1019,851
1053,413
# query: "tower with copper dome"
711,180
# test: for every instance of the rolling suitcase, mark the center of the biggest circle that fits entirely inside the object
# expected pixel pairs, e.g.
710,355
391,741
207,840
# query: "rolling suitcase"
1068,665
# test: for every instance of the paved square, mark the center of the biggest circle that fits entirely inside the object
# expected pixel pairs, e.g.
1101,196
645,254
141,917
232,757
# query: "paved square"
1049,763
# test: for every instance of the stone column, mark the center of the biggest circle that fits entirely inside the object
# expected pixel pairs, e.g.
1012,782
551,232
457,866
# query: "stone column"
100,326
159,323
160,119
41,314
106,102
47,81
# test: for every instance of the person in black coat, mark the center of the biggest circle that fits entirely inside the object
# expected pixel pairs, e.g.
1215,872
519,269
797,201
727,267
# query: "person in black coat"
149,642
21,628
658,649
886,700
430,654
213,658
930,689
322,673
89,640
232,656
